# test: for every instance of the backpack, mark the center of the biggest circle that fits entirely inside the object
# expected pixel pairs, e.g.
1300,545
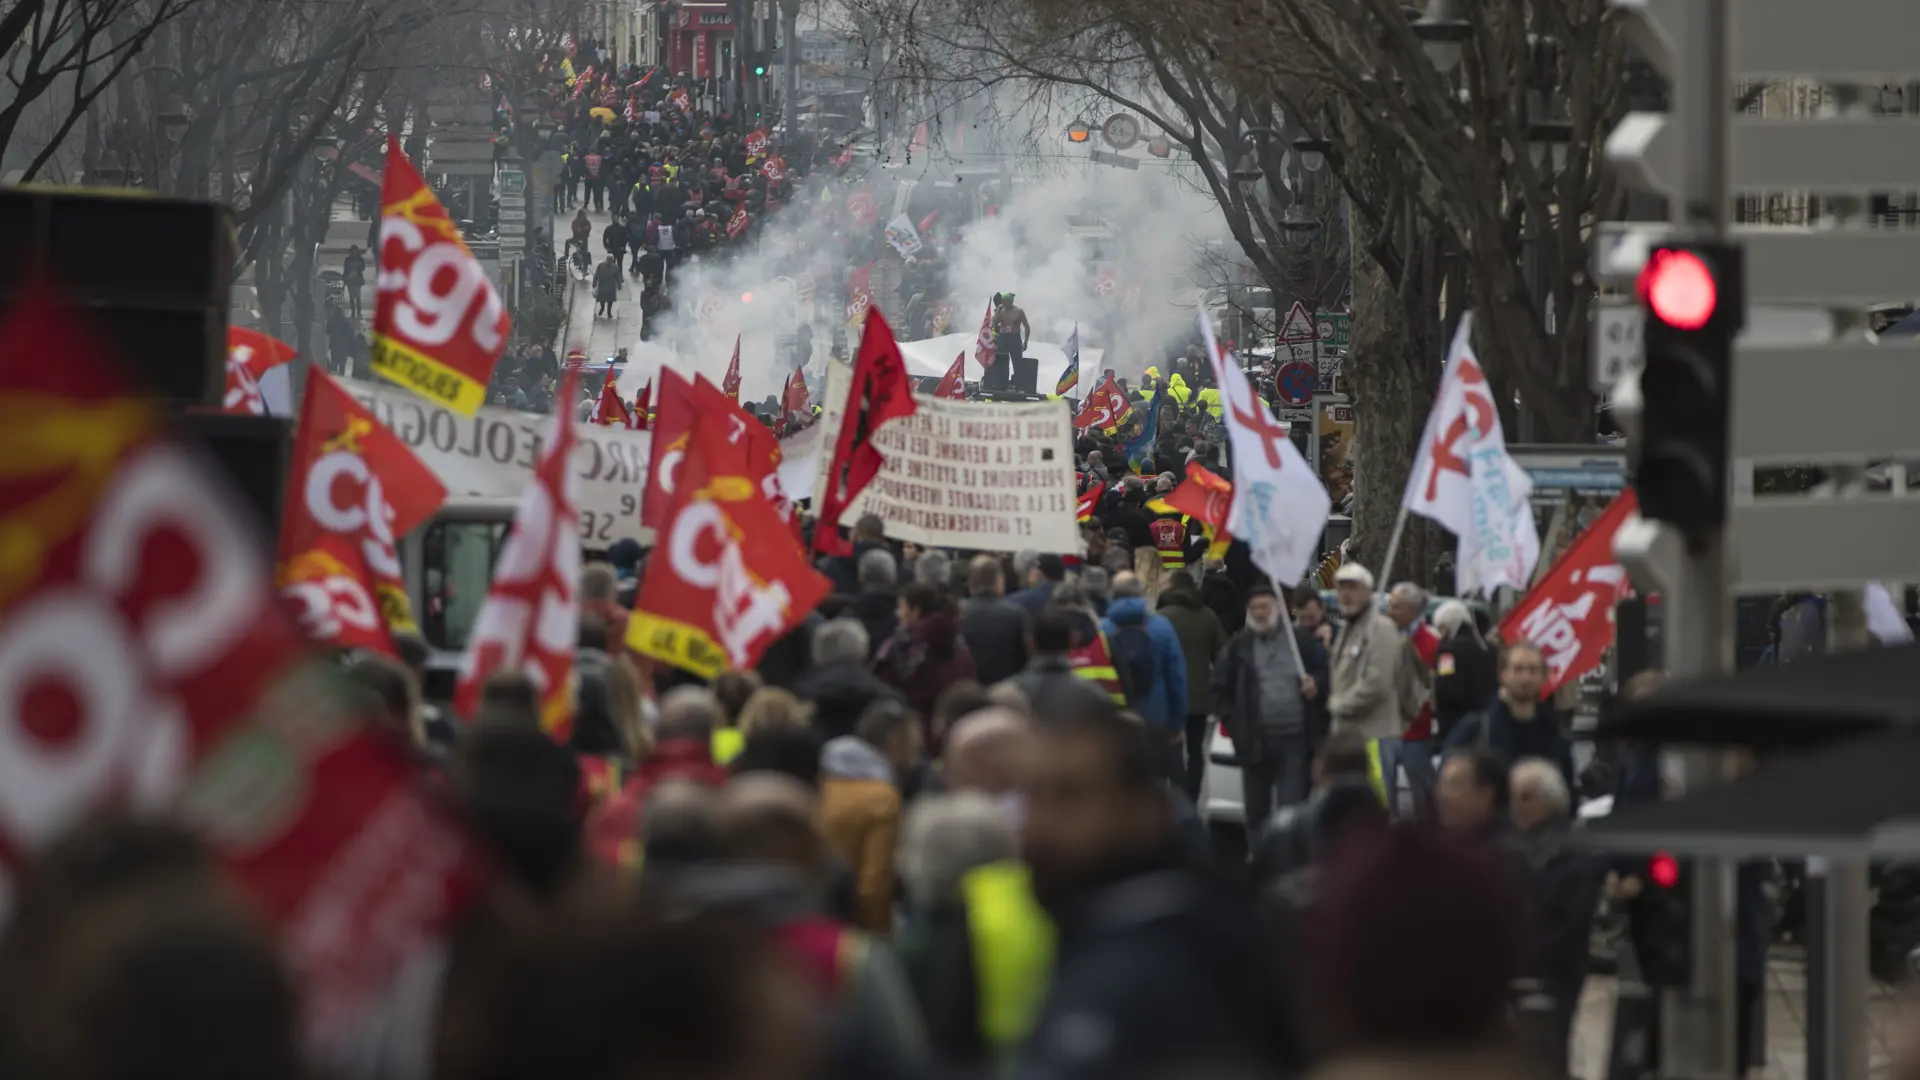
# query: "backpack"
1132,655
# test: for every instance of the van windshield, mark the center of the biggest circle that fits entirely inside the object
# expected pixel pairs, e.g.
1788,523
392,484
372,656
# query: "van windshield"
457,560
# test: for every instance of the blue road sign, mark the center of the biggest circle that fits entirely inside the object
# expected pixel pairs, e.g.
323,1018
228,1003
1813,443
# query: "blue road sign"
1295,382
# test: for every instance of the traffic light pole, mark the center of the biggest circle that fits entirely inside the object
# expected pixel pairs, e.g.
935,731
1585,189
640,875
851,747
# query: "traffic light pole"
1697,1022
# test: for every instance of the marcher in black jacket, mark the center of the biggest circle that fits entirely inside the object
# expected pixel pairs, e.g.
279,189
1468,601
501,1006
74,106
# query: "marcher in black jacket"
995,630
1566,888
1465,677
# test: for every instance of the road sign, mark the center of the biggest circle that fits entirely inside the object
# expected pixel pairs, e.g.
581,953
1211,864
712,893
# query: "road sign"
1120,131
1333,328
512,182
1777,419
1616,342
1295,383
1298,325
1296,416
513,211
1106,158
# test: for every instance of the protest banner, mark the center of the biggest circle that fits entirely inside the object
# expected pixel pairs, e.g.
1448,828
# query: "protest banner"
972,475
492,453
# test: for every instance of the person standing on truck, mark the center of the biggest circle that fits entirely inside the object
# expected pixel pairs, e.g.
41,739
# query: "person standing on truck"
1011,333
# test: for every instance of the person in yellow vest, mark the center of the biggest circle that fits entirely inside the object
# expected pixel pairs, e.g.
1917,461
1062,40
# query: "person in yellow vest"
1177,386
977,948
1210,400
733,689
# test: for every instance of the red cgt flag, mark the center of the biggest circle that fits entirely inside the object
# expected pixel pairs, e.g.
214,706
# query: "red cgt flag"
1105,408
1203,495
728,579
953,385
250,355
610,410
680,402
798,401
880,392
730,383
1569,612
531,618
438,326
983,343
355,489
737,222
642,402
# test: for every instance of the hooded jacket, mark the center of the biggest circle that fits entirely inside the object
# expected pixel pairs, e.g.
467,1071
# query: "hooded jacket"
1177,386
1163,705
860,815
1201,639
924,659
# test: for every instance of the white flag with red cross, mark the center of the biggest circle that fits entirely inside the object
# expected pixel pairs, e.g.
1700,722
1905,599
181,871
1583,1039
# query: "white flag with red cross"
1464,479
1279,505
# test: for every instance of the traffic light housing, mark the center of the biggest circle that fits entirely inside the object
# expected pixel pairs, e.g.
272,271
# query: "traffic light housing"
1695,305
1665,945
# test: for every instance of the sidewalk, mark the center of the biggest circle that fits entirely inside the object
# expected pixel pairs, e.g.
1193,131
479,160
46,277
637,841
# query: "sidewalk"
600,338
1786,1022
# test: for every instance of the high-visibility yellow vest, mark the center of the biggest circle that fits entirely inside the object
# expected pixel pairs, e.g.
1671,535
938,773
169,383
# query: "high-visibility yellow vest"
1170,540
727,744
1210,401
1094,663
1376,776
1013,943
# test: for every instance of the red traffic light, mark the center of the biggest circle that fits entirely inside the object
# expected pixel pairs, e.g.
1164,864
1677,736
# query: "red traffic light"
1678,287
1663,870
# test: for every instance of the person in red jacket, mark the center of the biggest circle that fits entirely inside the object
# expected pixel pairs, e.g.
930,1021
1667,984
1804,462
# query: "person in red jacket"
1407,607
683,751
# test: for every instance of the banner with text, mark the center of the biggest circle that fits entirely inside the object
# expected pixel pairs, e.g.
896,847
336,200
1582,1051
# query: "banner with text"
492,454
972,475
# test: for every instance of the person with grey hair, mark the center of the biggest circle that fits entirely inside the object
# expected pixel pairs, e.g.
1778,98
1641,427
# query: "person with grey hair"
1096,585
841,639
1465,677
688,712
935,568
876,605
839,686
971,903
1566,888
1414,755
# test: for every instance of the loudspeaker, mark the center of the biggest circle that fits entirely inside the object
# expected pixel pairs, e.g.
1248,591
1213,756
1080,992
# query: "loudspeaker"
1026,374
253,452
149,276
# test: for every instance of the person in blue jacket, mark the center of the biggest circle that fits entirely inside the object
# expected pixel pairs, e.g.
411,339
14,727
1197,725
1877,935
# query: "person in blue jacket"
1153,671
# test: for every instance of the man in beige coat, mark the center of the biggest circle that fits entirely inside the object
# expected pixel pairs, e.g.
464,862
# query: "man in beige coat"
1376,682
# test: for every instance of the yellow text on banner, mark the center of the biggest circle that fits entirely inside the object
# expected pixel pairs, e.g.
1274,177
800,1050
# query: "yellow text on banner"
677,643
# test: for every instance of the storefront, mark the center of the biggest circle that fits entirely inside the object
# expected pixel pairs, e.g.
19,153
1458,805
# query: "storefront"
700,39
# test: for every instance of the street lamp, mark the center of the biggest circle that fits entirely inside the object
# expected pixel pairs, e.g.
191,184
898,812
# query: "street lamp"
1297,228
1441,34
1248,172
1079,132
326,148
1547,141
1313,152
174,120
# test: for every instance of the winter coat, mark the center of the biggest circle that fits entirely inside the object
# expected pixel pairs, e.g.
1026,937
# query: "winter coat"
1373,667
606,282
860,816
995,631
1465,679
1201,639
613,828
1223,596
1034,598
878,609
1543,737
1236,692
839,692
1163,705
922,660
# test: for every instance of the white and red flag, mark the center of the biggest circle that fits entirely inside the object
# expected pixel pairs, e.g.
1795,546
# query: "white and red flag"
1279,506
1464,479
1569,612
1105,408
250,355
530,621
953,385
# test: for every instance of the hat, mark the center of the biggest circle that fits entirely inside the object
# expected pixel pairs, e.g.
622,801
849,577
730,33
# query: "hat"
1355,573
1262,587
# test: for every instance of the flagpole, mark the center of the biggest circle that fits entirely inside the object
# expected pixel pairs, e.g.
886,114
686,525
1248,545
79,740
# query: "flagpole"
1293,643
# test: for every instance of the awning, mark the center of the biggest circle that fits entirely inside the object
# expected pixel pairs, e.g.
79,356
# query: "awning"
1859,798
1814,702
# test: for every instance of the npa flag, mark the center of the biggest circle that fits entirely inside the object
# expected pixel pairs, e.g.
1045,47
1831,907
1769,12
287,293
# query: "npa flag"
1279,506
737,222
354,489
1464,479
1105,408
680,403
642,402
1569,612
727,579
610,410
438,326
880,392
953,385
730,384
798,402
983,344
1069,378
250,355
530,622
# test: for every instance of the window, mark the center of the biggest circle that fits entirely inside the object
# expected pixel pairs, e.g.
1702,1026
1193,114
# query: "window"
457,565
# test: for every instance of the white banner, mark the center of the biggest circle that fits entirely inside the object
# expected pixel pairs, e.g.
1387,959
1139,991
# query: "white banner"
493,454
970,475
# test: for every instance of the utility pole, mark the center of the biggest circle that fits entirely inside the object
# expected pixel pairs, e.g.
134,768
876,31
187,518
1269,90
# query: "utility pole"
1703,408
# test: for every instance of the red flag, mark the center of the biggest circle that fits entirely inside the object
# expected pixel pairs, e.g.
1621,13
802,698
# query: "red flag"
880,392
610,410
642,402
862,207
737,222
250,355
438,326
531,618
1105,408
355,488
859,295
798,402
1569,612
926,223
727,579
983,345
730,384
953,385
843,158
680,99
756,143
680,402
1204,494
1089,502
774,168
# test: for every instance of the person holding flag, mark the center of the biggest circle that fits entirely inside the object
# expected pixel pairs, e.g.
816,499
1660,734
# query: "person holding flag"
1105,409
881,392
1140,447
